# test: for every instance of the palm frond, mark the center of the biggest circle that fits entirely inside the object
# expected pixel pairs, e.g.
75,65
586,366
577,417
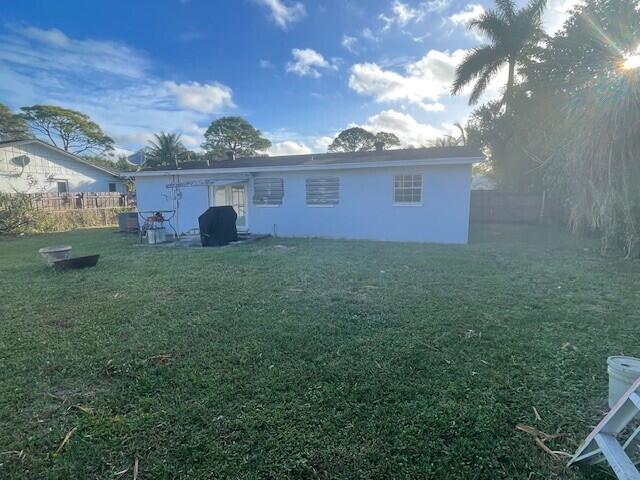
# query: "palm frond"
492,25
474,65
507,8
483,81
534,9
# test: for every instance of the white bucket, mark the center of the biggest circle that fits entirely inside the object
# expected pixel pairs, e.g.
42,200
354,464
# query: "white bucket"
623,371
156,235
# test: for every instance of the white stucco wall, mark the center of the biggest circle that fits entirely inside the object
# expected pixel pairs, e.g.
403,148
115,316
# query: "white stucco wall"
366,209
45,168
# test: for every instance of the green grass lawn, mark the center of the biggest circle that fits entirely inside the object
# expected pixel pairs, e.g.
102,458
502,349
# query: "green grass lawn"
308,358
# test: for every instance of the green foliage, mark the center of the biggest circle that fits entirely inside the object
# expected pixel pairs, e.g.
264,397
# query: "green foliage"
12,126
574,125
165,150
68,220
515,147
16,214
68,129
233,134
387,140
100,161
354,139
357,139
320,360
512,35
122,164
604,153
451,140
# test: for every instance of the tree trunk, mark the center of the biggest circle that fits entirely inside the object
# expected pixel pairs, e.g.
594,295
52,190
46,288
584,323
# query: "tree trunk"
510,81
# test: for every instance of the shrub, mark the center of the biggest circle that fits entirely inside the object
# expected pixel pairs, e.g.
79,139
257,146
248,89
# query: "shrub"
16,213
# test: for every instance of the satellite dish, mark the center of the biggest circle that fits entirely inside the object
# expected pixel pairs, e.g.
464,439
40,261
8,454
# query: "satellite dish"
21,161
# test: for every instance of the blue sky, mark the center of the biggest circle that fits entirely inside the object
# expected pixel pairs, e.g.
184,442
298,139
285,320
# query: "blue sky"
300,71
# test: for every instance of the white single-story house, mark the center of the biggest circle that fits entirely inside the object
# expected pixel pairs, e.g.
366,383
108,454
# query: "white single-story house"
34,166
413,195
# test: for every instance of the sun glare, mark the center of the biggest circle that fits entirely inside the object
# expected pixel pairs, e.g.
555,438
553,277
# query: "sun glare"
631,62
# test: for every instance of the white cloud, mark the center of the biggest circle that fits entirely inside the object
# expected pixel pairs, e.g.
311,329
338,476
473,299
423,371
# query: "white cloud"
321,144
283,14
556,14
427,79
350,43
108,81
432,107
437,5
422,83
116,153
308,62
289,147
204,98
408,129
401,14
462,19
470,12
266,64
56,52
368,34
53,37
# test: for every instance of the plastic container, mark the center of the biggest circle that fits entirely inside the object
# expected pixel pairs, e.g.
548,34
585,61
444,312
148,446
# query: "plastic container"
54,253
623,371
156,235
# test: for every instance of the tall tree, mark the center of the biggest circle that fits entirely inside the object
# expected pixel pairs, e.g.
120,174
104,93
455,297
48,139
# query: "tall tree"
357,139
387,140
590,71
166,149
512,35
68,129
451,140
233,134
12,126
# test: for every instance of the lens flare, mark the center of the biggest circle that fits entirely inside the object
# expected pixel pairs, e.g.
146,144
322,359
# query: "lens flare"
631,61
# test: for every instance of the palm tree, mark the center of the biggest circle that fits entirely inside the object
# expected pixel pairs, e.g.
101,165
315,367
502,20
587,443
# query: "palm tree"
165,149
511,33
451,140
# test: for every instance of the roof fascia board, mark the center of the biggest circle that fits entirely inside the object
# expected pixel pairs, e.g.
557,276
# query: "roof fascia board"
303,168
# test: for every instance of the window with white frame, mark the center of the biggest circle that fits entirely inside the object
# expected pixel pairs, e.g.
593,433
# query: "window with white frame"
63,186
268,191
407,189
323,191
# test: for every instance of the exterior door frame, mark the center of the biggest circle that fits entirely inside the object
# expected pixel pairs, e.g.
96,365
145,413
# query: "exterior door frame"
228,200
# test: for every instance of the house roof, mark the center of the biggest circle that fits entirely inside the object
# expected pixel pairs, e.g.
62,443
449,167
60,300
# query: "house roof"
410,156
10,143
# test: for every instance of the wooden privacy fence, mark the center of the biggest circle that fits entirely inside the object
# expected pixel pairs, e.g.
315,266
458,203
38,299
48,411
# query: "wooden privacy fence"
56,202
494,206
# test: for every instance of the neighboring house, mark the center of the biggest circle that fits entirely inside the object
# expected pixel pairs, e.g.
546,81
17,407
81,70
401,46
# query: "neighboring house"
417,195
34,166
